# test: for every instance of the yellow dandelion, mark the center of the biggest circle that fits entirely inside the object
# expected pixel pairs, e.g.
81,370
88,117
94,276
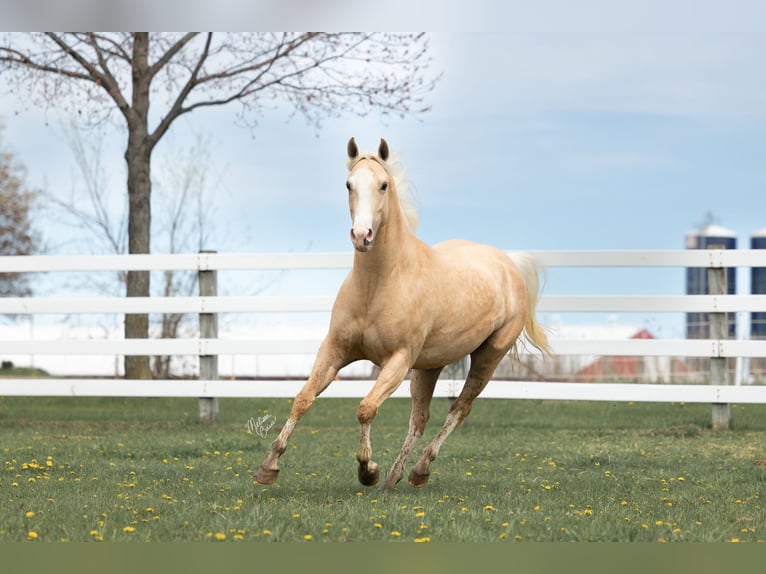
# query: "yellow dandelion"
518,537
32,535
536,508
396,533
378,525
732,540
220,536
30,514
129,529
420,514
266,532
307,537
469,473
423,539
588,512
239,537
490,508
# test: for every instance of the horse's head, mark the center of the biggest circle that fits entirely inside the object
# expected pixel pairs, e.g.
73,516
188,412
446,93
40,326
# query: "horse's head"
369,185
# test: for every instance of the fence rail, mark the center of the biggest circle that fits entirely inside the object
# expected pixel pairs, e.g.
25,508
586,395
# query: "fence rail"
264,304
715,348
712,258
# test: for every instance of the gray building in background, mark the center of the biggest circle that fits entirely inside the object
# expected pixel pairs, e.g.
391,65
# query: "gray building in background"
709,236
758,320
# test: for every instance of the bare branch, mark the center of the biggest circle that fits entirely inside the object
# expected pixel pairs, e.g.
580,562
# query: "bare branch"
177,107
174,49
107,78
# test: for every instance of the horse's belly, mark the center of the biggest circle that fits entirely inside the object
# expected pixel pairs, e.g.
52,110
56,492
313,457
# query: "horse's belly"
443,348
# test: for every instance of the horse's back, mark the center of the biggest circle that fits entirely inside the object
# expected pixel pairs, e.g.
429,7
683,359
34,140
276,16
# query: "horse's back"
462,254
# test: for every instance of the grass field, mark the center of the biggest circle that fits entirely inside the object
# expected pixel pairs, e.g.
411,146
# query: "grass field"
92,469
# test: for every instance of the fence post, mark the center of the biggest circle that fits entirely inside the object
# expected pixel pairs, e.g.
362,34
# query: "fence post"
719,329
208,329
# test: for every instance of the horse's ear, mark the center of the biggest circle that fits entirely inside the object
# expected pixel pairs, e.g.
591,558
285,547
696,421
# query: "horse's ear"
353,151
383,150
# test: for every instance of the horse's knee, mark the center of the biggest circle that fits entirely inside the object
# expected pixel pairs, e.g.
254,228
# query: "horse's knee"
366,412
301,404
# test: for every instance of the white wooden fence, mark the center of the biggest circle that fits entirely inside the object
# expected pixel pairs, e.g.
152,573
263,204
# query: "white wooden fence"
714,348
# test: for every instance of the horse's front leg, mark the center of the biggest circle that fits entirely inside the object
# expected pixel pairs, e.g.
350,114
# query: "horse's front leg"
330,359
391,376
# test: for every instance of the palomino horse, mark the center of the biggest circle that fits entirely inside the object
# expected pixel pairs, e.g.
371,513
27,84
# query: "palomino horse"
406,305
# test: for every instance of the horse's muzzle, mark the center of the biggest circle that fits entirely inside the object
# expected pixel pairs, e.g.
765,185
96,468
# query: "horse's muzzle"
362,238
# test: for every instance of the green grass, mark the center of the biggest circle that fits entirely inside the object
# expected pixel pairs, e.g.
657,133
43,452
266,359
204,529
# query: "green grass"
28,372
80,469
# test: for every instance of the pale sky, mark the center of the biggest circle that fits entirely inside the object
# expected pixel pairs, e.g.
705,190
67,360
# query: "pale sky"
556,125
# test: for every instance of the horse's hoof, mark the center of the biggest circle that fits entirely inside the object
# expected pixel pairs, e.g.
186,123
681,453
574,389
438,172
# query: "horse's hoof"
369,474
266,475
417,479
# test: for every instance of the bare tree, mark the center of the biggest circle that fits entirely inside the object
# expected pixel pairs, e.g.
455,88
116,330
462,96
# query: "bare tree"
17,237
108,75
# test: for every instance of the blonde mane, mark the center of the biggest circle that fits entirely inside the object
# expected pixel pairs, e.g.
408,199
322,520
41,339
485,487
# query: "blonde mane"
395,170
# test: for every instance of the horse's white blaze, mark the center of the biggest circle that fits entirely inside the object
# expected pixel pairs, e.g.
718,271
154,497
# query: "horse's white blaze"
363,205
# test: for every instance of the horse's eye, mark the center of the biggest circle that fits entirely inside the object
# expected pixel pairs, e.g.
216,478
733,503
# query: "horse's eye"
384,186
348,185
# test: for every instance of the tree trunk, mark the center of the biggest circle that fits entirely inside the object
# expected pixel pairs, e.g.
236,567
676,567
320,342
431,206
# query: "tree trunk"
138,158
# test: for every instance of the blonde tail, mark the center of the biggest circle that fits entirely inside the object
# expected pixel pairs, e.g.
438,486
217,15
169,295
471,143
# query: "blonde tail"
531,269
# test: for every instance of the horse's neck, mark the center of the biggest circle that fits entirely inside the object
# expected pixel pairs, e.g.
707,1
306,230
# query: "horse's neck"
395,247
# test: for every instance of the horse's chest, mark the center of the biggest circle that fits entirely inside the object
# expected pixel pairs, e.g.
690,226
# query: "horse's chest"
381,335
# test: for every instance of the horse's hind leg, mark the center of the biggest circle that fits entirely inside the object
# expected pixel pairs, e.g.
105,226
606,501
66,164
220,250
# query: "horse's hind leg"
328,362
421,390
483,363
